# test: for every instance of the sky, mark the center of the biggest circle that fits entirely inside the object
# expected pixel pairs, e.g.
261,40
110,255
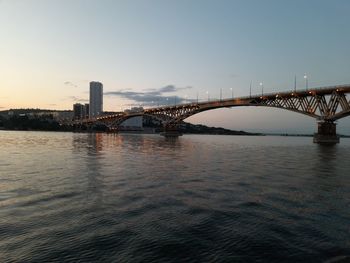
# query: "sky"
167,50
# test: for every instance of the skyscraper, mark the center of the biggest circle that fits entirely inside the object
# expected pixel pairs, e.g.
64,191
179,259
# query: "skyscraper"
96,99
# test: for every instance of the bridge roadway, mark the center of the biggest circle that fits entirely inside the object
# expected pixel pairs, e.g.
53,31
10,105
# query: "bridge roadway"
326,105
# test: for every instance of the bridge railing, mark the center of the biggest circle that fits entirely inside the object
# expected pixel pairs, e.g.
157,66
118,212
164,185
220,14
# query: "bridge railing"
271,94
293,91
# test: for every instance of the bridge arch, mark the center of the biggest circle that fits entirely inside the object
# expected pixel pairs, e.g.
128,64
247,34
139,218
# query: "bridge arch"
118,121
194,112
245,116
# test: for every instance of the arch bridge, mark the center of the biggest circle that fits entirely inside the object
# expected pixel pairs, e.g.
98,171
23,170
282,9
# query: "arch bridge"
326,105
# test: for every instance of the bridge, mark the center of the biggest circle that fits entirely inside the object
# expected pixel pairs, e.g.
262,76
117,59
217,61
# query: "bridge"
325,104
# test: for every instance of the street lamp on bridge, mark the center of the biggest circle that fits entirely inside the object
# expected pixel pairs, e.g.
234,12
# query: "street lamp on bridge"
306,82
231,92
208,94
262,88
250,89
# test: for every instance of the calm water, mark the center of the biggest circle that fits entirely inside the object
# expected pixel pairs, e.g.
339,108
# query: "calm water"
142,198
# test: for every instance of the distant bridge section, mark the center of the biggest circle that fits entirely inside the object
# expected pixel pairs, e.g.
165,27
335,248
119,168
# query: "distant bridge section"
326,105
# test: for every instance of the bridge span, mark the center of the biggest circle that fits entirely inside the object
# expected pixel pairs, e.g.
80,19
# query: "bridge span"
325,104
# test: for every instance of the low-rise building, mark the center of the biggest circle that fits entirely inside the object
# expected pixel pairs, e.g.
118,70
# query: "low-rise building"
80,111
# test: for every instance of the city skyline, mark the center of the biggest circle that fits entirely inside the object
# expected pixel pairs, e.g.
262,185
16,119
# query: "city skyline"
142,51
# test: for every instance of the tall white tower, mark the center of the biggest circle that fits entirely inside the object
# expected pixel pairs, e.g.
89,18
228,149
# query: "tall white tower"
96,99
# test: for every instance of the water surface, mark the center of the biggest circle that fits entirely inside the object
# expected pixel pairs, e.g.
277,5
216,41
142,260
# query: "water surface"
143,198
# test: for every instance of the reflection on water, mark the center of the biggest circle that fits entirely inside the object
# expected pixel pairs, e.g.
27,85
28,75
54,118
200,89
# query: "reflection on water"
109,197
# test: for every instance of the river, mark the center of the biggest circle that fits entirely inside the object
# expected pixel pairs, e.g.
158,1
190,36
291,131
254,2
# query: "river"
79,197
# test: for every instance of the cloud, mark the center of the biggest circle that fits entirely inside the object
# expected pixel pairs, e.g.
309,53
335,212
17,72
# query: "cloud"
151,97
70,84
77,99
167,89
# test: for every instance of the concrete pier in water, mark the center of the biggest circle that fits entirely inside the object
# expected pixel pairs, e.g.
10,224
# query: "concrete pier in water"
326,133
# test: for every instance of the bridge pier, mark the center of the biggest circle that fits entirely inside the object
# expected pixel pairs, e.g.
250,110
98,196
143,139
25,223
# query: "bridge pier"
170,131
326,133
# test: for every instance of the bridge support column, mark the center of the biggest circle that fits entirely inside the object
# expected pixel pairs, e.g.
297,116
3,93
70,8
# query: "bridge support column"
170,131
327,133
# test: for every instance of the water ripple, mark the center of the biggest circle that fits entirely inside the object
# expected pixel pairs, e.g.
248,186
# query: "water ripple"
134,198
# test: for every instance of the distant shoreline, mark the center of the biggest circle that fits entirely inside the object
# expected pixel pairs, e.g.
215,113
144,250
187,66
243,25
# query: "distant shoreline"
132,132
157,133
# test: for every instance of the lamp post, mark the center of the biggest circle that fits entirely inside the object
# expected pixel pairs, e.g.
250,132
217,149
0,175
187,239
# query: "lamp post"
250,89
231,92
220,94
262,88
306,82
208,95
